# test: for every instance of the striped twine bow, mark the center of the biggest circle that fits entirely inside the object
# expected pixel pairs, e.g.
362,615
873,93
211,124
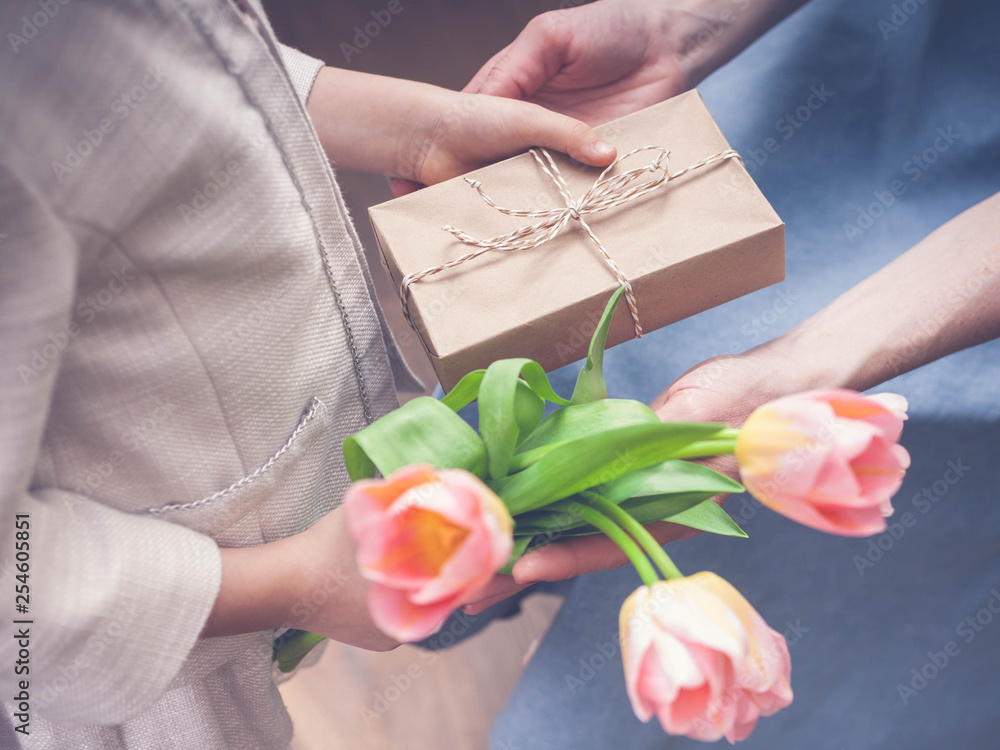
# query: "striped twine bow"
606,192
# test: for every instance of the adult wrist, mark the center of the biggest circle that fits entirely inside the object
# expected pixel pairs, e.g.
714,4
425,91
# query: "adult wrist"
706,34
808,357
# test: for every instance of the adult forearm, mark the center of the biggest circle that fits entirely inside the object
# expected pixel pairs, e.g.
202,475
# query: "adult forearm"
709,33
939,297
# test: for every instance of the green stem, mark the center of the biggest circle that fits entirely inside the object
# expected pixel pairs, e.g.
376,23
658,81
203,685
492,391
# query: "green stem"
714,446
638,532
601,522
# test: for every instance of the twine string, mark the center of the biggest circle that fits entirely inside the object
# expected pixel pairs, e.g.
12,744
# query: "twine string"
605,193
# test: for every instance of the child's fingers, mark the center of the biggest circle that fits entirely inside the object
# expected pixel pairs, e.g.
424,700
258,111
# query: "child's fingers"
542,127
401,187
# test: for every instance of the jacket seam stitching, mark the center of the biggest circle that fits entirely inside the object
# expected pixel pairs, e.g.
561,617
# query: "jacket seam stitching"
268,125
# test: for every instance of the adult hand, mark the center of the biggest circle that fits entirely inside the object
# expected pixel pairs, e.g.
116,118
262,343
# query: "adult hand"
595,62
607,59
838,347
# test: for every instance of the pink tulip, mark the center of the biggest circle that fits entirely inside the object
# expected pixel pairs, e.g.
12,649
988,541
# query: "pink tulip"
827,459
701,659
426,540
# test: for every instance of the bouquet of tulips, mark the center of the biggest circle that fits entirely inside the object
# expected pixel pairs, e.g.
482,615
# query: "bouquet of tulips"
456,506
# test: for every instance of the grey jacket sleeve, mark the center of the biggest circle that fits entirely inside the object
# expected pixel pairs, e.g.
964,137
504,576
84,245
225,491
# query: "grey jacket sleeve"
302,69
116,599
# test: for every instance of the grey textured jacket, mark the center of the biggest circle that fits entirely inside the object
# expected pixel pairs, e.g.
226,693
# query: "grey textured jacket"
187,333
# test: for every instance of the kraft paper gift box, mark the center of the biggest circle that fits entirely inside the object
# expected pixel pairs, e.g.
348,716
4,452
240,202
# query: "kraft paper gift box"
700,239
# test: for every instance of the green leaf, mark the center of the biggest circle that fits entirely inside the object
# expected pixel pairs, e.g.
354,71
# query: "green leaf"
590,385
663,507
536,378
690,509
669,478
709,516
465,391
644,509
421,431
510,408
497,485
528,410
598,459
545,521
295,650
573,422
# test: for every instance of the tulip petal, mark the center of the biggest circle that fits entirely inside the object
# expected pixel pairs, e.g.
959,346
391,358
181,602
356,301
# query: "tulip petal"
467,570
880,470
396,616
767,650
782,446
834,520
696,616
458,478
366,500
747,714
852,438
636,636
414,543
456,503
655,680
885,411
426,540
835,483
694,689
847,465
688,715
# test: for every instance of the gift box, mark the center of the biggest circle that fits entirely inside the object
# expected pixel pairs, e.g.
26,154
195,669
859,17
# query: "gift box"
518,259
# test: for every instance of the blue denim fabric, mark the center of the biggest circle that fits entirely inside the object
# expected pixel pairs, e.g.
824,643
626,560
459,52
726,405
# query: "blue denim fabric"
829,111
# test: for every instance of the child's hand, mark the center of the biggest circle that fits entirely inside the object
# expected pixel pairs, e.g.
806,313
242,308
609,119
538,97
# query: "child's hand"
307,581
426,134
456,133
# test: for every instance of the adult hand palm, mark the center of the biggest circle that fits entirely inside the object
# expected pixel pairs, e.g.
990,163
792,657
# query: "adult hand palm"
595,63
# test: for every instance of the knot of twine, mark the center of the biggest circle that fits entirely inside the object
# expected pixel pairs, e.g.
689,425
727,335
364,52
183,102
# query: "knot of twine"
606,192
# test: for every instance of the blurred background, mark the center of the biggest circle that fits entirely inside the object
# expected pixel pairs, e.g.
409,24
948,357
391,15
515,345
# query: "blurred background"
351,698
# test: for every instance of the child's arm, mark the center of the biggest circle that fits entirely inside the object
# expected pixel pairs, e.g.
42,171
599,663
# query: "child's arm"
427,134
307,581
